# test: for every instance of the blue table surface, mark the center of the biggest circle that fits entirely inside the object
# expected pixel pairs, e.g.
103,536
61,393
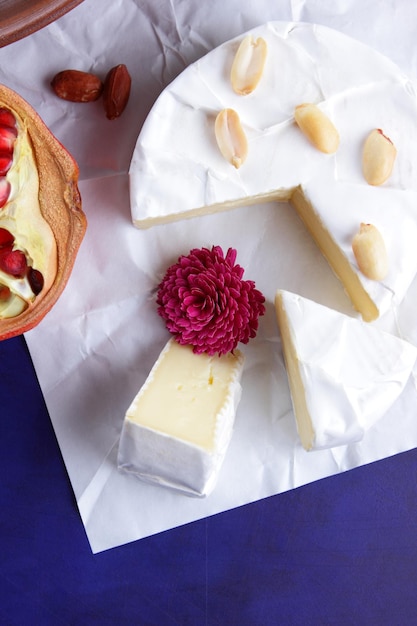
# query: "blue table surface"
339,551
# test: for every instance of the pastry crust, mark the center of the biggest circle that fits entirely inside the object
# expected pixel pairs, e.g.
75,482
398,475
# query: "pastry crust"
60,206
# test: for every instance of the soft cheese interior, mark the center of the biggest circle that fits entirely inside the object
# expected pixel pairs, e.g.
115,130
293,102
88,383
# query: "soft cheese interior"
344,375
177,170
178,427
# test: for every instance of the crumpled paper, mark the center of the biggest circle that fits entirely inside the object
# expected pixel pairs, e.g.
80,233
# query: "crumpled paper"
95,348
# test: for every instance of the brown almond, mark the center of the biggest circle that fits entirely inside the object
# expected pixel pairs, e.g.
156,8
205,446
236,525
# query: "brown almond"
116,91
77,86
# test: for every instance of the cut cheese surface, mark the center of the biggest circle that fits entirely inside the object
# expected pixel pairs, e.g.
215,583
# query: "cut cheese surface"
177,170
178,427
185,395
344,375
335,224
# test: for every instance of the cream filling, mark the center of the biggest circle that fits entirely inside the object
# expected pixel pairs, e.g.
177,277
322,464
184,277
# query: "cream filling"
22,217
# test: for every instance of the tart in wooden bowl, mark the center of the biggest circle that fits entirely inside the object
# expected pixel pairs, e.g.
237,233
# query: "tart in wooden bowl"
41,220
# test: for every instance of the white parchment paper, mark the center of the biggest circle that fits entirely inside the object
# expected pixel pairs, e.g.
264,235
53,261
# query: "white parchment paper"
95,348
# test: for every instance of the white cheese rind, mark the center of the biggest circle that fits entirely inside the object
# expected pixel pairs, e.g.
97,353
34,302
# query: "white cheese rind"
351,372
177,170
156,455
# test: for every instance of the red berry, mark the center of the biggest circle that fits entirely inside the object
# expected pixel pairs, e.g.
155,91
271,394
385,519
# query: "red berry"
13,262
7,138
6,161
4,292
7,118
6,238
35,280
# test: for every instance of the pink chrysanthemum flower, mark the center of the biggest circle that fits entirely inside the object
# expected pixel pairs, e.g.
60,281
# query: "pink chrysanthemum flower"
206,304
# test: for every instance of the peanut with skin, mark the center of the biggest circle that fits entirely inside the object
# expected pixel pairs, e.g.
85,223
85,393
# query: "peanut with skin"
116,91
77,86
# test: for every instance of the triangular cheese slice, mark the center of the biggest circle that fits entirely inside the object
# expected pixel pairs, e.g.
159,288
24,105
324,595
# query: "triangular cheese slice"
343,374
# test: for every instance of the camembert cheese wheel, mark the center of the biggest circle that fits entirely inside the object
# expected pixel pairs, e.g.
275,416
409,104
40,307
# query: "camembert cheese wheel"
181,168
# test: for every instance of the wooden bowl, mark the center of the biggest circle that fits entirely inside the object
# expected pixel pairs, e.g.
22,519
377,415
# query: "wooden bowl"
20,18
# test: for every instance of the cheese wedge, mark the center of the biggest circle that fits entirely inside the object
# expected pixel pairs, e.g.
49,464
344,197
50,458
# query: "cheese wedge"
177,430
343,374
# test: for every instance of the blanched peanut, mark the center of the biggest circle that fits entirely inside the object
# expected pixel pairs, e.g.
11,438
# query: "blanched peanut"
231,137
370,252
248,65
378,157
317,127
